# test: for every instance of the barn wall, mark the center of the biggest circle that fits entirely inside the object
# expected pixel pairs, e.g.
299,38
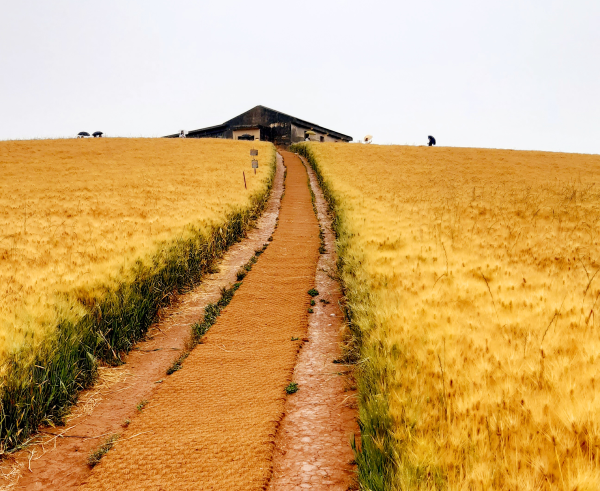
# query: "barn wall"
255,132
207,135
278,133
297,133
274,126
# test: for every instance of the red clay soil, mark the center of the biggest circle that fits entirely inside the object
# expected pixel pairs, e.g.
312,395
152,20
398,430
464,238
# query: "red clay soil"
61,463
212,424
313,443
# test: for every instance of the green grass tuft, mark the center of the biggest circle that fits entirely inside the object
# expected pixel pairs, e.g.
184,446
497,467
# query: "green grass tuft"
141,405
211,312
292,388
96,455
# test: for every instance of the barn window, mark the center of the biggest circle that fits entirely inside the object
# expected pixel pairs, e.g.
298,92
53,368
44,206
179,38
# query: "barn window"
322,138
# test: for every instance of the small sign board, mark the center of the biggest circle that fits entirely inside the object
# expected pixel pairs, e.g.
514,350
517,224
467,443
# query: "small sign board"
253,152
255,164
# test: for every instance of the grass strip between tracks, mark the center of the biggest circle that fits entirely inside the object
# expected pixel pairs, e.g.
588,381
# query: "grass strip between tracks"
39,386
212,311
375,457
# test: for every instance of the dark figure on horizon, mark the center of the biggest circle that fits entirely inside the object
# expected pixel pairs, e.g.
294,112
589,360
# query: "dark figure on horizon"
431,140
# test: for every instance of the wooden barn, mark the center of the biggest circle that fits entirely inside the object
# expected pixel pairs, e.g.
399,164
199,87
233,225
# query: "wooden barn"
262,123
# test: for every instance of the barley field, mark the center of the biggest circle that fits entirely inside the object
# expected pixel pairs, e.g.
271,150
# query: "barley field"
102,230
473,286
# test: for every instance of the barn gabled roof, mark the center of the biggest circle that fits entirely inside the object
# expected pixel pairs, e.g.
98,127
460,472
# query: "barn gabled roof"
257,111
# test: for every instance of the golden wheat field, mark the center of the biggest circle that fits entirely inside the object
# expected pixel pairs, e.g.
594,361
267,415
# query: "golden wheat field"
474,276
75,214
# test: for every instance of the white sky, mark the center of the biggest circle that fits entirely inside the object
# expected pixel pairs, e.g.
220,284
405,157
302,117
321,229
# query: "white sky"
504,74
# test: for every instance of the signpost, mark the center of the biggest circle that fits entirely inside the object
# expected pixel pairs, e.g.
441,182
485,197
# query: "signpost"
253,153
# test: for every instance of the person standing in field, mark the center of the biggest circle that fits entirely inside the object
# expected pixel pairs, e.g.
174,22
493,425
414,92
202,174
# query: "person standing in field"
182,134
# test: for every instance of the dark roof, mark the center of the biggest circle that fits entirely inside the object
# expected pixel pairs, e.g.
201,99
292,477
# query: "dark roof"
259,108
209,129
306,124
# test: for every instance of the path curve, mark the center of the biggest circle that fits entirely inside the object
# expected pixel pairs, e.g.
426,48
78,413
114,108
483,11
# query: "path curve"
212,424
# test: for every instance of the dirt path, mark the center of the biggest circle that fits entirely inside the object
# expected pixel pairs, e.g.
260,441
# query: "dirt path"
212,424
61,462
313,443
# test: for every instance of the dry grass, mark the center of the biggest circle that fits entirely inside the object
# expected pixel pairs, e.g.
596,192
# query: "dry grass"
75,214
10,473
107,378
11,469
473,279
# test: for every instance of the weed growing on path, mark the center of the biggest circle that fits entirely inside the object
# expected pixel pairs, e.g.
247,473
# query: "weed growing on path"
313,199
177,363
141,405
212,311
245,269
322,248
292,388
96,455
313,293
199,329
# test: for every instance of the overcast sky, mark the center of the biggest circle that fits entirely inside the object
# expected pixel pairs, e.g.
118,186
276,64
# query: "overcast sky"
503,74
